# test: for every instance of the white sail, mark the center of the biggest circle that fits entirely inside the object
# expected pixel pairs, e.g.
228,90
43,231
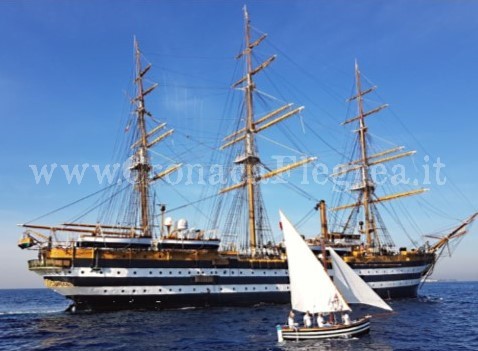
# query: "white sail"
352,287
310,285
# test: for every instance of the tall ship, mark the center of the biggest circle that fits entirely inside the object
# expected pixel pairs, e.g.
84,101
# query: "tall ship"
136,262
358,231
142,259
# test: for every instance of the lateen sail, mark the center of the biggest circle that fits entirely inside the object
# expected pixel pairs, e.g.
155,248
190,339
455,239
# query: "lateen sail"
310,285
352,287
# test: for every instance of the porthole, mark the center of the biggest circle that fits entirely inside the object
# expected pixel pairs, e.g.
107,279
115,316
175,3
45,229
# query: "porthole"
82,272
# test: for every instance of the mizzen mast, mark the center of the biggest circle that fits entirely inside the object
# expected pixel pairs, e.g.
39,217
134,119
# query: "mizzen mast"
366,187
367,184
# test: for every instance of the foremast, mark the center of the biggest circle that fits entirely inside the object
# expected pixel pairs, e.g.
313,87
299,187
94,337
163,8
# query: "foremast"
143,164
250,160
141,158
366,198
142,223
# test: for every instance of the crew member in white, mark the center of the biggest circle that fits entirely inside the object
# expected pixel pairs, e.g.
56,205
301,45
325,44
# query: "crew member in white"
346,319
307,320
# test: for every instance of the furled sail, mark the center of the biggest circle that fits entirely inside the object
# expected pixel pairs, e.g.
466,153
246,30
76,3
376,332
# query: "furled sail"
352,287
310,285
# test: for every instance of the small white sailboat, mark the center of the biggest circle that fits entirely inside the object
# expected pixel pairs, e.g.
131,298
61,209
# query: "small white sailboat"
313,291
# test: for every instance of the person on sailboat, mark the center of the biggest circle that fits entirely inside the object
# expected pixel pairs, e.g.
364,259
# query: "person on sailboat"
320,320
307,320
290,320
346,318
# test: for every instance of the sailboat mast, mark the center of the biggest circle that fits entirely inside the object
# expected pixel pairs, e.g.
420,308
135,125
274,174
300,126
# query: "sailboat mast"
251,158
143,165
367,186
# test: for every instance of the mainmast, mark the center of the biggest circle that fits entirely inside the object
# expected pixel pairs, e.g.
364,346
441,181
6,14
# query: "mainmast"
366,188
250,159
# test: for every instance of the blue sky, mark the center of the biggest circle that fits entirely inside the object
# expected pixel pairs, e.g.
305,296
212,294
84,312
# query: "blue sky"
65,67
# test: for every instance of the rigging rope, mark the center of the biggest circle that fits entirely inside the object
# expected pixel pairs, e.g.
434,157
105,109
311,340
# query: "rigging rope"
70,204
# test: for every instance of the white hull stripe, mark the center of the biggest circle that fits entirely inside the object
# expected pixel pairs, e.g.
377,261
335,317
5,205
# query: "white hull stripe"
387,271
170,290
226,272
325,333
202,289
167,272
394,284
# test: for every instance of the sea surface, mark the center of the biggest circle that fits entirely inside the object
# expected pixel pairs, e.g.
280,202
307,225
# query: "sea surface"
444,317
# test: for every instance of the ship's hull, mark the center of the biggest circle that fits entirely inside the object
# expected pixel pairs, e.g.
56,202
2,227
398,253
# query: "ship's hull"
156,284
398,278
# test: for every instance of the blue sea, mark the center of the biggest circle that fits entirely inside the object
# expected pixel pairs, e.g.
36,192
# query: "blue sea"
444,317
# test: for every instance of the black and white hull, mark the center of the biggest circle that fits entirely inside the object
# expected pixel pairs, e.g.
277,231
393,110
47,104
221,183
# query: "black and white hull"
400,279
355,329
172,284
129,284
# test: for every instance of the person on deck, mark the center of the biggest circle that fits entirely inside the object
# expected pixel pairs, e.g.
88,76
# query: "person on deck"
346,318
290,319
307,320
320,320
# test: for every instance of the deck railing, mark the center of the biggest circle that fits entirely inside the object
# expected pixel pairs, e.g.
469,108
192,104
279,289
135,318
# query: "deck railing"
49,263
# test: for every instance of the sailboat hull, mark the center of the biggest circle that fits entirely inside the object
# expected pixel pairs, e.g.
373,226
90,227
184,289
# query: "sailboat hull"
355,329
